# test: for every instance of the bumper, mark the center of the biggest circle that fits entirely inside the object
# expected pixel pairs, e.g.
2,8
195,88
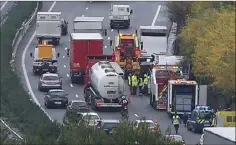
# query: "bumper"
109,105
161,107
51,87
41,69
120,23
57,103
78,74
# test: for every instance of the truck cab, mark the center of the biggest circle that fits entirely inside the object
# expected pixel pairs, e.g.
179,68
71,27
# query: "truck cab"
126,49
200,117
45,58
120,16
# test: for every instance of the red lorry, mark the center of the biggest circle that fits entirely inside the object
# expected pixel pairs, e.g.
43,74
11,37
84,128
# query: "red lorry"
81,46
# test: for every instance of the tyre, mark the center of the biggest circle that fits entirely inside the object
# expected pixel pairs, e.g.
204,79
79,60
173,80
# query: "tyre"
194,129
187,126
46,105
73,80
39,88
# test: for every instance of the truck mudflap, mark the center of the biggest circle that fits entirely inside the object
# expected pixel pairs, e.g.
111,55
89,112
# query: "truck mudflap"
43,69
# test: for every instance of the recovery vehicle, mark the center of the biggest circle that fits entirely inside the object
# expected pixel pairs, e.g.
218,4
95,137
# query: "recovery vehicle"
126,50
120,16
50,27
81,46
89,25
164,68
105,86
45,58
201,117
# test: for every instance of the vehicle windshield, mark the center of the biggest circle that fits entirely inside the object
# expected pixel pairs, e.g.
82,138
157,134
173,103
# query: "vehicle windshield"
110,125
50,78
127,42
184,89
149,124
58,94
91,117
204,115
77,105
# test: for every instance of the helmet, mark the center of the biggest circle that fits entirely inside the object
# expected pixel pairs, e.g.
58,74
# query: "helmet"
145,75
123,97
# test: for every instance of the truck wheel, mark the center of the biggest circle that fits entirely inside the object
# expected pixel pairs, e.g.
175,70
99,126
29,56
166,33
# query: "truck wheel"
187,126
73,80
194,129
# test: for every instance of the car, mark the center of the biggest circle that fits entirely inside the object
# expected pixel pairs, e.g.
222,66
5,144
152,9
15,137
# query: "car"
56,98
149,123
176,138
108,126
79,106
90,118
49,81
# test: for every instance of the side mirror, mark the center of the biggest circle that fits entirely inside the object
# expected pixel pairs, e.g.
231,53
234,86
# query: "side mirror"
105,32
110,42
118,31
31,54
68,52
141,45
131,11
58,54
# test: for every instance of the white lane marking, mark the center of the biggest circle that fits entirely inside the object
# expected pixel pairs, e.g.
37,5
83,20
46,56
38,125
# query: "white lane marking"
157,13
64,65
109,38
25,72
67,75
65,48
136,115
76,96
4,4
86,8
111,30
63,56
71,85
105,46
82,15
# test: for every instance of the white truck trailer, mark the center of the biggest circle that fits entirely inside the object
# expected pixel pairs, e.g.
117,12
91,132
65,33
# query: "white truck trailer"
218,136
89,25
49,27
154,39
106,86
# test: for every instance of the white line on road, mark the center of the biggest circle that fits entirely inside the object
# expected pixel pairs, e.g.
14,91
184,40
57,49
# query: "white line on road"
82,15
67,75
71,85
105,46
65,48
86,8
24,68
157,13
109,38
4,4
64,65
76,96
63,56
111,30
136,115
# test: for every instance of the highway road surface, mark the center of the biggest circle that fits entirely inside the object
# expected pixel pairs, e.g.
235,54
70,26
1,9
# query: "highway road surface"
5,6
144,13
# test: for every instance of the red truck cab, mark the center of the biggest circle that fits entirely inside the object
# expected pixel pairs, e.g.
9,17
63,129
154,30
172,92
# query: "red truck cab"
81,46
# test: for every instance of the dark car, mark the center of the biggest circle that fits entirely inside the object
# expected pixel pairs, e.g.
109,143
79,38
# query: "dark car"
78,106
108,126
56,98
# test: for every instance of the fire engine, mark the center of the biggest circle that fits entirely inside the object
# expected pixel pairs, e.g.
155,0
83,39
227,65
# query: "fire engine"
126,50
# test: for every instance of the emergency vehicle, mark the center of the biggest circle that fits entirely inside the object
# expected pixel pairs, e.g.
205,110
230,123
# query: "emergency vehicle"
126,51
201,117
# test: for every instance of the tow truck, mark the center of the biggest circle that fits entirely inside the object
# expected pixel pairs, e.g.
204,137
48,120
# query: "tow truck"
127,50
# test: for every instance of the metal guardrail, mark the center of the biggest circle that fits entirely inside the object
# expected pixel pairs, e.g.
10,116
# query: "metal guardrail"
15,43
6,14
11,131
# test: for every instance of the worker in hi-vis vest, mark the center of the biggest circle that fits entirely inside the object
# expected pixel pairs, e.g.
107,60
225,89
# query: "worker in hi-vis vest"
145,84
140,85
130,82
176,122
134,80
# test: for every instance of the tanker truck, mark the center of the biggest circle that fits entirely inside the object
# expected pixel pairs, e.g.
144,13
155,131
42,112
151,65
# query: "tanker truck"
105,86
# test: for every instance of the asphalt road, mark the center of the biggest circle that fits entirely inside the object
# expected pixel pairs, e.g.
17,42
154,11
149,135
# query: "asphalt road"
143,14
5,6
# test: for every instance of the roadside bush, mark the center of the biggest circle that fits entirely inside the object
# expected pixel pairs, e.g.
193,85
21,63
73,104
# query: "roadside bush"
16,106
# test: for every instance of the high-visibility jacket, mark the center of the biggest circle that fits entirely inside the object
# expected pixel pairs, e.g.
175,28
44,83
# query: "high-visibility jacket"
134,81
129,80
175,119
140,82
145,80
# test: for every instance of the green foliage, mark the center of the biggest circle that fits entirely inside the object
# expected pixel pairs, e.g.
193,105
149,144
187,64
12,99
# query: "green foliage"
15,102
